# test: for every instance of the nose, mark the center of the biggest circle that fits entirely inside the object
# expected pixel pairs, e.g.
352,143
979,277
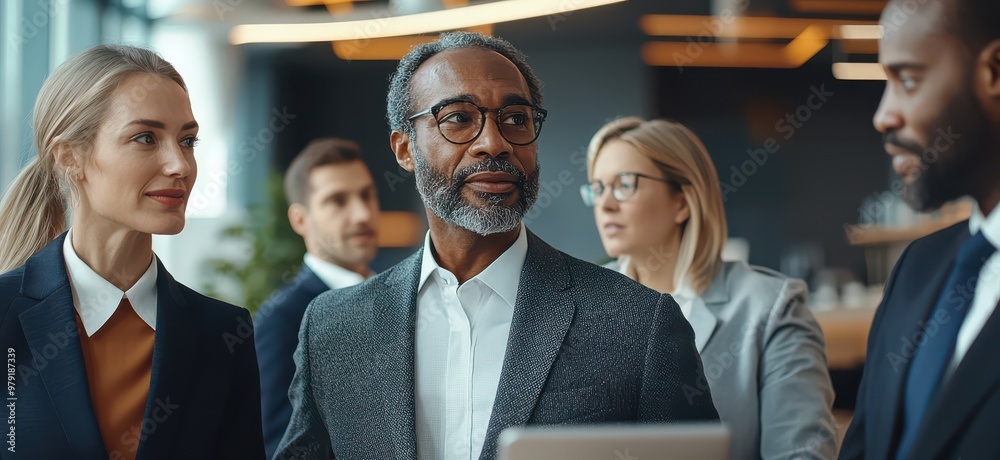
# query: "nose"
606,200
887,116
363,211
177,162
490,141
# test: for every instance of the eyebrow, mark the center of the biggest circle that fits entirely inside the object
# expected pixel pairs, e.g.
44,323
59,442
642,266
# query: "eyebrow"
897,67
507,100
159,124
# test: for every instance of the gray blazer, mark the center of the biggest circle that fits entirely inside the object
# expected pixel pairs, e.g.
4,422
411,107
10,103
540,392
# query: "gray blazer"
586,345
765,359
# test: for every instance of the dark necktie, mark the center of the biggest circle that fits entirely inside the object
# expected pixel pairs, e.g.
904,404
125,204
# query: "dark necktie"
935,353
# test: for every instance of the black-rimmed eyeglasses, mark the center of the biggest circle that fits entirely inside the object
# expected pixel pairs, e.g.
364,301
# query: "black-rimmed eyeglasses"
622,187
461,122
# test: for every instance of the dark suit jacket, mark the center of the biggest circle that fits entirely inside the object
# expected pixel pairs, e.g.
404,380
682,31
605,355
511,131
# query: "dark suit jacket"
587,345
203,395
963,419
276,326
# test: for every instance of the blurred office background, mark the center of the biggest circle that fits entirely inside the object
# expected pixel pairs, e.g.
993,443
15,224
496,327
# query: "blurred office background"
781,91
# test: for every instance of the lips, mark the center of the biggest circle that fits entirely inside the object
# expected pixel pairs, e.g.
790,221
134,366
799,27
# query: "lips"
170,197
612,229
492,182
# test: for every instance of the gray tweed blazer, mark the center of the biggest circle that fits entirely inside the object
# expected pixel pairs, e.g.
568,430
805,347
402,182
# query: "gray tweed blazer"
587,345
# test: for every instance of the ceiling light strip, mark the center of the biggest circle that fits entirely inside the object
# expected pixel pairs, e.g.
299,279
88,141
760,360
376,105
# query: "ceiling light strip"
413,24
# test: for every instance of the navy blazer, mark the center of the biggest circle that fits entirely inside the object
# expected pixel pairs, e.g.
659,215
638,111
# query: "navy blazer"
587,345
203,393
963,418
276,327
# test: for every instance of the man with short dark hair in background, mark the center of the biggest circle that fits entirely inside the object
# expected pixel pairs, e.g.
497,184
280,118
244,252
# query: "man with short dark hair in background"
931,385
333,205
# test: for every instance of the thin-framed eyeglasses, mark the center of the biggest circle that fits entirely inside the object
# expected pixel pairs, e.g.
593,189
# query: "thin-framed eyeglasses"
623,187
461,122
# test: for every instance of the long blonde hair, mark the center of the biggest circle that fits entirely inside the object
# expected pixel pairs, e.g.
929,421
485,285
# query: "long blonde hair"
70,108
681,156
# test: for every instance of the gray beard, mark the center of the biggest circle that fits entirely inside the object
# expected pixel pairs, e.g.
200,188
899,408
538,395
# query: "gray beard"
443,196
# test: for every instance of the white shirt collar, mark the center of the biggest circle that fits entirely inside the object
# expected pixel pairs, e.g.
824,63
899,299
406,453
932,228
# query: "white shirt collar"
503,276
333,275
990,226
96,299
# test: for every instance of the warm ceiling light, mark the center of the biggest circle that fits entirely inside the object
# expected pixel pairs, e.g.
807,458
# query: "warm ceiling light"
412,24
319,2
858,71
859,32
805,46
859,7
389,48
671,25
752,55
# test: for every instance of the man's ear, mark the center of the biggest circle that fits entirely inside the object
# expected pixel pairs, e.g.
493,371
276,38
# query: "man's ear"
297,217
400,143
988,69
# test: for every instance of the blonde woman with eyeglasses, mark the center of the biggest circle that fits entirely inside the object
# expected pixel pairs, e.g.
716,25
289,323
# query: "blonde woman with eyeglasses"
107,355
659,212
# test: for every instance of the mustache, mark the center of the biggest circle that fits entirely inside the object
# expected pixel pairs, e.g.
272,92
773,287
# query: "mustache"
891,138
491,165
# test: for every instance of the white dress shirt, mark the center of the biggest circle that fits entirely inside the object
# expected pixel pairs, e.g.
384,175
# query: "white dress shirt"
333,275
987,288
96,299
461,337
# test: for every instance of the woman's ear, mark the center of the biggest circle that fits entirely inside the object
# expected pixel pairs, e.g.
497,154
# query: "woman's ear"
683,209
67,159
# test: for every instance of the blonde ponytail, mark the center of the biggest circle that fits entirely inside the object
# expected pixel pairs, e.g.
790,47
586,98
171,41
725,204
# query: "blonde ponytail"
31,214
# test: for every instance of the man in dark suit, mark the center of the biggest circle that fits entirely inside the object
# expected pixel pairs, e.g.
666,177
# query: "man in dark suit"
333,205
486,327
931,386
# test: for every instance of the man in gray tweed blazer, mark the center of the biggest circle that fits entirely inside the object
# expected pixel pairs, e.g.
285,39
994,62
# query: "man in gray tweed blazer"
485,327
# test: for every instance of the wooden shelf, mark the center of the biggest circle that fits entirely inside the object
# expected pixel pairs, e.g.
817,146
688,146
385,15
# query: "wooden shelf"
866,235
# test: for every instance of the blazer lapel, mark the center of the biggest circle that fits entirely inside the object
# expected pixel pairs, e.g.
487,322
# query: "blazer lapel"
914,310
393,339
543,313
968,386
64,372
702,320
174,352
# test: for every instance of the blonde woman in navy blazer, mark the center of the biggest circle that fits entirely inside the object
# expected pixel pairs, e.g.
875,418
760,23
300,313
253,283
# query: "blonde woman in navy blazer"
115,139
659,211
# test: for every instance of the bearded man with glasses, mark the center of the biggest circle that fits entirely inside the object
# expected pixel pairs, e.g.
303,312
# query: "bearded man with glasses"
485,327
